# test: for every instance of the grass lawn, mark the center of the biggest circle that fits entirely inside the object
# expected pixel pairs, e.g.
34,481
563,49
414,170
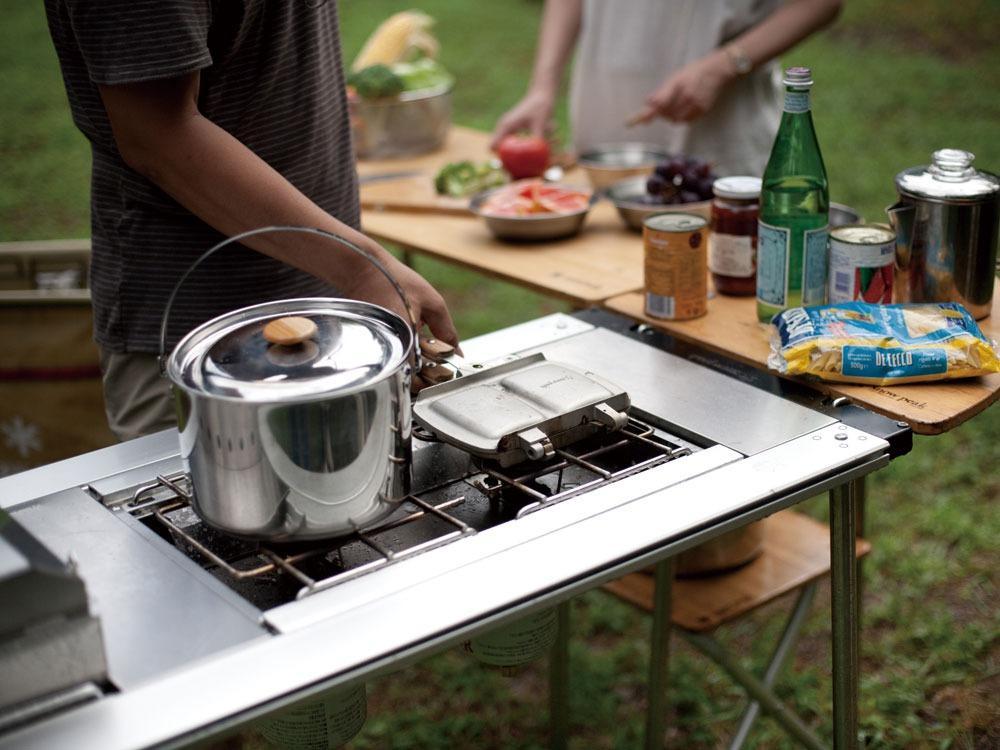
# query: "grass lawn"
895,80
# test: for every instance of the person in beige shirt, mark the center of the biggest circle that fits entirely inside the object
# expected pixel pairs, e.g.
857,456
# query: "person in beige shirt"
699,78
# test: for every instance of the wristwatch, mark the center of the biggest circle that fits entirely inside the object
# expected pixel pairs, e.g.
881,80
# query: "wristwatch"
741,63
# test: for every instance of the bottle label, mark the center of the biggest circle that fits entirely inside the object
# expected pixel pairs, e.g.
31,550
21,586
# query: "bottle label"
730,255
814,264
772,264
796,101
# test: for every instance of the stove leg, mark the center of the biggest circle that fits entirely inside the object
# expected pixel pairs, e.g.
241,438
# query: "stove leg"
656,711
859,530
559,680
845,612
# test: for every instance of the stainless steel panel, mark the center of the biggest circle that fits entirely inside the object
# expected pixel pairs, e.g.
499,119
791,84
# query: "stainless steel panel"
155,614
45,480
522,337
439,563
50,656
706,403
480,594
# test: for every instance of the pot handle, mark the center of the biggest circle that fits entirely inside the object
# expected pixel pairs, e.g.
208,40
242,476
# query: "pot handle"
302,230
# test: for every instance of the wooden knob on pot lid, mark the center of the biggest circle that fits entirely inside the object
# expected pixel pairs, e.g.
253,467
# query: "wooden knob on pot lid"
289,331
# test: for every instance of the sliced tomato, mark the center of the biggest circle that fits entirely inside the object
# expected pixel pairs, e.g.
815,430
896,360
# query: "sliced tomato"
534,197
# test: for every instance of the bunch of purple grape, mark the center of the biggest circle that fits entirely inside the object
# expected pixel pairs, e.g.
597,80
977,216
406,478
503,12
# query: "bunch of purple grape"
680,179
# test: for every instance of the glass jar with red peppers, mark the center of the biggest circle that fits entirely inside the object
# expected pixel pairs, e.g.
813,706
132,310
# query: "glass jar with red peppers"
732,245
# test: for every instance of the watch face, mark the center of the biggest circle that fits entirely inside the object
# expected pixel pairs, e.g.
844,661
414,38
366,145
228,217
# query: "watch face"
739,59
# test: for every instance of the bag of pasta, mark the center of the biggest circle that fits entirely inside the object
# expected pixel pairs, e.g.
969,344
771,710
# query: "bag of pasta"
857,342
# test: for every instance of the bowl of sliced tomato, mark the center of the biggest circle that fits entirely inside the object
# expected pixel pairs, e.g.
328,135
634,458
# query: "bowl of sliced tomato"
533,210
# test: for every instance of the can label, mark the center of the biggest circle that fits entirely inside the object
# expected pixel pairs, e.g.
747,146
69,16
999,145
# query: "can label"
323,724
518,643
861,264
676,266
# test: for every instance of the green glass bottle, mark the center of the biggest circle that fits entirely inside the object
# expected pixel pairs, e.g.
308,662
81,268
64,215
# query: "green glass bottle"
794,210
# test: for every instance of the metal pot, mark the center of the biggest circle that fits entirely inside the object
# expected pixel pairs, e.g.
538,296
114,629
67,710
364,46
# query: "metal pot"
413,123
946,224
298,441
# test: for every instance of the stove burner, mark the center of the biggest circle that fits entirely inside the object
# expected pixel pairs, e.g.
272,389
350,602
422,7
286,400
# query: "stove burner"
480,496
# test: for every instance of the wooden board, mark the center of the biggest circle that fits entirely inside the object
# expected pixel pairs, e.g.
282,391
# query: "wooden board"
796,551
603,261
731,328
416,193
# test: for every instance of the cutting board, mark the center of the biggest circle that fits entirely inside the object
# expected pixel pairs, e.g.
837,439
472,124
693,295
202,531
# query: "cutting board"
414,194
417,193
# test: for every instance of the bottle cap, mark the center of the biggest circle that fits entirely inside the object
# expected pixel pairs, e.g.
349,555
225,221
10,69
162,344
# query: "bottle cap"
737,187
798,77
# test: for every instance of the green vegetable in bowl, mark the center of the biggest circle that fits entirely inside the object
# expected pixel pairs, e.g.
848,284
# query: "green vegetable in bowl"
425,73
464,178
376,82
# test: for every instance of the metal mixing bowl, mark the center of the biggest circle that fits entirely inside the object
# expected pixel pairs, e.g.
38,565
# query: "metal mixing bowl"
608,163
841,215
413,123
627,197
534,227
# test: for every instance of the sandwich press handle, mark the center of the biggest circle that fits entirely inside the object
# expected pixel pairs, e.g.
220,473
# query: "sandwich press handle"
439,352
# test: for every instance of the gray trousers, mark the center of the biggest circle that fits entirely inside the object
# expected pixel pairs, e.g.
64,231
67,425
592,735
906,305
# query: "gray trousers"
137,398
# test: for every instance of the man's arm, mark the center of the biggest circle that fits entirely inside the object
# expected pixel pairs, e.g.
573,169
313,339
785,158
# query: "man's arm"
556,38
161,134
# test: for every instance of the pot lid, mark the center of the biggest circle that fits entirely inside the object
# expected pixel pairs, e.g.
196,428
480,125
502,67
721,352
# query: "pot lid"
950,177
348,346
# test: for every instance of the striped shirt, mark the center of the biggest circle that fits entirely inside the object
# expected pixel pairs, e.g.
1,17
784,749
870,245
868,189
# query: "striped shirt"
270,75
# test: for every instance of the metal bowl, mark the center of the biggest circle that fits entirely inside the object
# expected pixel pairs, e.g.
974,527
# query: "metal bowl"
608,163
627,197
533,228
841,215
413,123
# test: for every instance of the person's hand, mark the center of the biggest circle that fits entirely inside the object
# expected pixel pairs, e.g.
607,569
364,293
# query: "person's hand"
532,114
690,92
426,304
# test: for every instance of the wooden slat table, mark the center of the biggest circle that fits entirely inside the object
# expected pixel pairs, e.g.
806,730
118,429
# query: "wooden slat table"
604,261
603,266
731,328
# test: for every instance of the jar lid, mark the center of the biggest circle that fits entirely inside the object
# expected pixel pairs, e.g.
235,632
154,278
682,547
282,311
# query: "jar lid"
950,177
354,345
737,187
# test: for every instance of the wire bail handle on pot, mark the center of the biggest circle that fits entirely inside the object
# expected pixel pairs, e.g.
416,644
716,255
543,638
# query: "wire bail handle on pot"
412,350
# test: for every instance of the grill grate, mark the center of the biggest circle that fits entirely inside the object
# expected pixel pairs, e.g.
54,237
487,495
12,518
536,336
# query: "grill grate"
433,516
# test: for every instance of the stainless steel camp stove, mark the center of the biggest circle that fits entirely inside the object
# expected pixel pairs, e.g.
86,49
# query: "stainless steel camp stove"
223,631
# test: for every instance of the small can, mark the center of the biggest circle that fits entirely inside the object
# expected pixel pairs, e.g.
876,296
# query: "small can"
676,265
861,264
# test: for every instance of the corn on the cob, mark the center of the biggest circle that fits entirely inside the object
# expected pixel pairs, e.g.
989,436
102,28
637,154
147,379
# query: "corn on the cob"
396,38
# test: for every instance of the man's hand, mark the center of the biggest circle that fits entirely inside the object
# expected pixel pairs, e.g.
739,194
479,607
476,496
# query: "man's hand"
426,304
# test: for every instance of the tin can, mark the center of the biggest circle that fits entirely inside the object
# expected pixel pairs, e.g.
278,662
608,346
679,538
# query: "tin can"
676,265
861,264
